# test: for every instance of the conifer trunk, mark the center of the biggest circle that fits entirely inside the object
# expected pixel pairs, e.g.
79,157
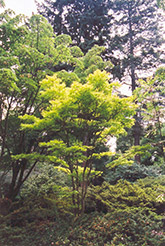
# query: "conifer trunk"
136,128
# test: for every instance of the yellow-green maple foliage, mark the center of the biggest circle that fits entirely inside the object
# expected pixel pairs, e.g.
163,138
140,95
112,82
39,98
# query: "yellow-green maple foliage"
80,117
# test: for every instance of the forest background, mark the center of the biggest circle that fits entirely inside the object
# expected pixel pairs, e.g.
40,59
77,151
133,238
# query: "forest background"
61,81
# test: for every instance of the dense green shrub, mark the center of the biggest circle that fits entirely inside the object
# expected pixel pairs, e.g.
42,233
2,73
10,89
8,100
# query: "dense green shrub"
43,181
43,217
131,173
151,181
44,196
133,228
36,233
125,195
118,228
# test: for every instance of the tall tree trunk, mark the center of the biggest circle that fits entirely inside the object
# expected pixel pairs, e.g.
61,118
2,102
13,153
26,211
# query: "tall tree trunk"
136,128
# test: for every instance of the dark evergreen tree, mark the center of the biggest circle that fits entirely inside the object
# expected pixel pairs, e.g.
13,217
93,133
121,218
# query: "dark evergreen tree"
86,21
128,28
136,36
137,40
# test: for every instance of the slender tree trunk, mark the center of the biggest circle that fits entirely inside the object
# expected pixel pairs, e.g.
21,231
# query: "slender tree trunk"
136,127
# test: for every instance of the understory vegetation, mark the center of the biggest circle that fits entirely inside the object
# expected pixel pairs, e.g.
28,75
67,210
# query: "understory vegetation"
124,213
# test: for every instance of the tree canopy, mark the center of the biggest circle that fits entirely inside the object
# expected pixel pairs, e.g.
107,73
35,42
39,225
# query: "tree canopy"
80,118
29,52
87,21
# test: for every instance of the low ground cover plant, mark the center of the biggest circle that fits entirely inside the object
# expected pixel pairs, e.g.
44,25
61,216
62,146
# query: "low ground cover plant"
135,227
